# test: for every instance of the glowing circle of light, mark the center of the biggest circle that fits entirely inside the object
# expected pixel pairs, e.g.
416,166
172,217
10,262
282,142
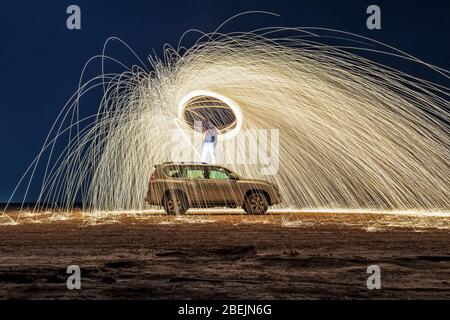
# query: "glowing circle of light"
229,102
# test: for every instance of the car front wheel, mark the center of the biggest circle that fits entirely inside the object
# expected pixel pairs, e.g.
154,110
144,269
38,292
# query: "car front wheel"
256,203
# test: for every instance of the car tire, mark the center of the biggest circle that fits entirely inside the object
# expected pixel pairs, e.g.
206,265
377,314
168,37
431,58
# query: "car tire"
256,203
175,203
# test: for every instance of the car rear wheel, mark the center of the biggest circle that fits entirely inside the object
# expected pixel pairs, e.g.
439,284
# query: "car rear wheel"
175,203
256,203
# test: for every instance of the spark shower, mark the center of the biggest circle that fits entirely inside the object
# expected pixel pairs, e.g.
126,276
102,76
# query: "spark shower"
353,133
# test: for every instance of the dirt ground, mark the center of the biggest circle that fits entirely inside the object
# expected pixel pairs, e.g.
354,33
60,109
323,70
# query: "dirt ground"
204,256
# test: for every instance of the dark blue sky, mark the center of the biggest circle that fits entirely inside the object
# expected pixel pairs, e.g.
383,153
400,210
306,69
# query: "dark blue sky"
41,60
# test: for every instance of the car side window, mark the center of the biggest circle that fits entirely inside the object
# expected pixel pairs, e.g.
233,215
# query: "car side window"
195,173
174,172
218,174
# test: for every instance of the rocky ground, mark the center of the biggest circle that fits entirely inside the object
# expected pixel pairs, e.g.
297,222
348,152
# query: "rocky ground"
308,256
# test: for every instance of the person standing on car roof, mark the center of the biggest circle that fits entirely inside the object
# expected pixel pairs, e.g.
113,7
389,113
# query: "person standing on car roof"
209,142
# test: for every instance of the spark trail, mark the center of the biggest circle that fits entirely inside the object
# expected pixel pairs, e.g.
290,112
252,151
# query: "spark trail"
352,133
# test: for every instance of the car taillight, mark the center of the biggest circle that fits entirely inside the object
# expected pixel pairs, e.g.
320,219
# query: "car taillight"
152,178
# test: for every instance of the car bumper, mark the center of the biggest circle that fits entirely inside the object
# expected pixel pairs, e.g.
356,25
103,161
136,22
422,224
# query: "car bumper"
151,200
277,199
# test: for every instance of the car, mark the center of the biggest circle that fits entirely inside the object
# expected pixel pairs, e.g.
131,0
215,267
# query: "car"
180,186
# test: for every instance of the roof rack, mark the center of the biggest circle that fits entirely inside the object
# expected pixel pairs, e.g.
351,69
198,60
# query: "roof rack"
183,162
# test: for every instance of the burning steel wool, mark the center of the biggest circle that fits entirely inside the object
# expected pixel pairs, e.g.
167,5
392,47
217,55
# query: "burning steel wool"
336,129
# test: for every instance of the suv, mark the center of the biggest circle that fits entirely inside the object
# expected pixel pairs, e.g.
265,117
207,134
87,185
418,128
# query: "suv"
180,186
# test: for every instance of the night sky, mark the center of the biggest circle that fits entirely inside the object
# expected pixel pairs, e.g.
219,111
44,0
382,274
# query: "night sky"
41,59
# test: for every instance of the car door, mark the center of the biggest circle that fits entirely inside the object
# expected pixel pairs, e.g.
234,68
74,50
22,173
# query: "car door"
175,179
196,185
221,188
